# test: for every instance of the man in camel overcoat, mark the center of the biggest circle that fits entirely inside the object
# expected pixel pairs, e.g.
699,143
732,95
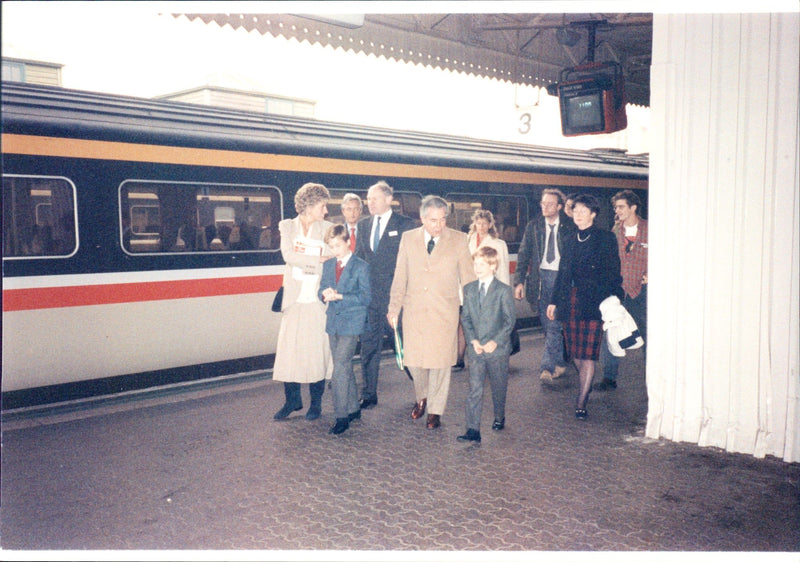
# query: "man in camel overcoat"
433,264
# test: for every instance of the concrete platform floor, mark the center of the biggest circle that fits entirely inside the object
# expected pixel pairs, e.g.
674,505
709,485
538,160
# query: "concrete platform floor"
205,468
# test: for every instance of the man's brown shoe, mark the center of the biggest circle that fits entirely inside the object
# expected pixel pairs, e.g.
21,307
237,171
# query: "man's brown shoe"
419,409
433,421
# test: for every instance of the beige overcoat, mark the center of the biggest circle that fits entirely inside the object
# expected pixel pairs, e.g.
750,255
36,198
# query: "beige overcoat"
427,288
302,352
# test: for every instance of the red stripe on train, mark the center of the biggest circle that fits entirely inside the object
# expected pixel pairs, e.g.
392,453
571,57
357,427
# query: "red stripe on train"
87,295
115,293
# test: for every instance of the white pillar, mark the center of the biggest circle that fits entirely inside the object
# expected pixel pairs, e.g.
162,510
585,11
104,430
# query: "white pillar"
723,367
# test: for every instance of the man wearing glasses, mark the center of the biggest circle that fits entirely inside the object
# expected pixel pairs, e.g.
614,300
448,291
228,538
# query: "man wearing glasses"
535,278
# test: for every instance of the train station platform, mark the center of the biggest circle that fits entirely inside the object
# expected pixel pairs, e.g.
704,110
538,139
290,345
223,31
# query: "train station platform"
202,472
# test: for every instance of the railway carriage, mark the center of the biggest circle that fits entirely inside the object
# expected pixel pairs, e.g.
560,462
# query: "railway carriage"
140,239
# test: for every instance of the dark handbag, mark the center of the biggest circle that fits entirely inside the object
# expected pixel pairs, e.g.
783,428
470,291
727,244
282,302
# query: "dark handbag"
278,301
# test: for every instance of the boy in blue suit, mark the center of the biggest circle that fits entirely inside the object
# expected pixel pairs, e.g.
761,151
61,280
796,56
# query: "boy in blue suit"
488,316
345,287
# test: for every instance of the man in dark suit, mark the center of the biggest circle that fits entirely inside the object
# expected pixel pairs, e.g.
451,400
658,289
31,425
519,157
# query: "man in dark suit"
351,213
537,267
377,244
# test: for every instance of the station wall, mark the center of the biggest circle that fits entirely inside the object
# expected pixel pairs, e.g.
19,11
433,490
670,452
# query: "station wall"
723,367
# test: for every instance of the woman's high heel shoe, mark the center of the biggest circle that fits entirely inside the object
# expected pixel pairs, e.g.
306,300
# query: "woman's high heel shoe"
580,407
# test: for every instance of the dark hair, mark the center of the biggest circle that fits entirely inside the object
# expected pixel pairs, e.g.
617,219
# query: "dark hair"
336,231
630,198
588,201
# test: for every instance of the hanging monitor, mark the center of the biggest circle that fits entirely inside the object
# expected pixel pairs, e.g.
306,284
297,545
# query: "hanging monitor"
592,99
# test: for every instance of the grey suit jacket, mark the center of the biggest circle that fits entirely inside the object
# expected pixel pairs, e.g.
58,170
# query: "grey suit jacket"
491,320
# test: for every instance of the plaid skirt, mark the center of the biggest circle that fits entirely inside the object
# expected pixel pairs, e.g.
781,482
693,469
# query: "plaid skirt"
583,338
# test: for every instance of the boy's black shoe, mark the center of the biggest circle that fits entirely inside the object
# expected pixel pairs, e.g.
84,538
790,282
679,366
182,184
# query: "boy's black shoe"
367,403
340,426
470,435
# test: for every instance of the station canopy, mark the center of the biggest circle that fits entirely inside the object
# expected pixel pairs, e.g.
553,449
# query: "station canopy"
528,49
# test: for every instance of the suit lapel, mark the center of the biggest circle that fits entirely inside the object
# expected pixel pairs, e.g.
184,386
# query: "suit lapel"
391,225
494,289
364,235
445,239
477,297
541,236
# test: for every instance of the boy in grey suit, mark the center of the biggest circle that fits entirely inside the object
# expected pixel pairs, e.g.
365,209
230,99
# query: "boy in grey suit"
488,316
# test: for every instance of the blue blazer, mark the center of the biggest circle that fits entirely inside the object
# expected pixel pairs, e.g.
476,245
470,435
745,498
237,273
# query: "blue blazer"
493,320
348,316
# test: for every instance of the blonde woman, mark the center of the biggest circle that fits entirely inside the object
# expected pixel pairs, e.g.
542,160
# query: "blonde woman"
303,352
483,232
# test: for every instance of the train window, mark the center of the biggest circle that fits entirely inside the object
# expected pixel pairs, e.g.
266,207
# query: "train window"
38,217
510,213
193,217
404,203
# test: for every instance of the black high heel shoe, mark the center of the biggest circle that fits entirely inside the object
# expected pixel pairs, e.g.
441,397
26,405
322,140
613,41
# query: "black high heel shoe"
580,409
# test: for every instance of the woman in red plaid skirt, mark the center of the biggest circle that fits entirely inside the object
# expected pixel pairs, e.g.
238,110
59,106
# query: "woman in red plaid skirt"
589,273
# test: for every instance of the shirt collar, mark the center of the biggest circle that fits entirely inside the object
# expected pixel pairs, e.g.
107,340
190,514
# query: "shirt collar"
346,259
428,237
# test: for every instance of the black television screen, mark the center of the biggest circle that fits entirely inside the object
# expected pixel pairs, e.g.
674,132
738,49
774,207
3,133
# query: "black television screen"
584,113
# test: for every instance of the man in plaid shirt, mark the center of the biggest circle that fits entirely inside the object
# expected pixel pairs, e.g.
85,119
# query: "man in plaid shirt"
631,232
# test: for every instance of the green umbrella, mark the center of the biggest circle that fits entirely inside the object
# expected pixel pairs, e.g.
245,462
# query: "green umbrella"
398,346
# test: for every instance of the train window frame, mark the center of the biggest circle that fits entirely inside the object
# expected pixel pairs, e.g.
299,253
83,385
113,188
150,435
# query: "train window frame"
215,246
482,195
74,215
397,206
